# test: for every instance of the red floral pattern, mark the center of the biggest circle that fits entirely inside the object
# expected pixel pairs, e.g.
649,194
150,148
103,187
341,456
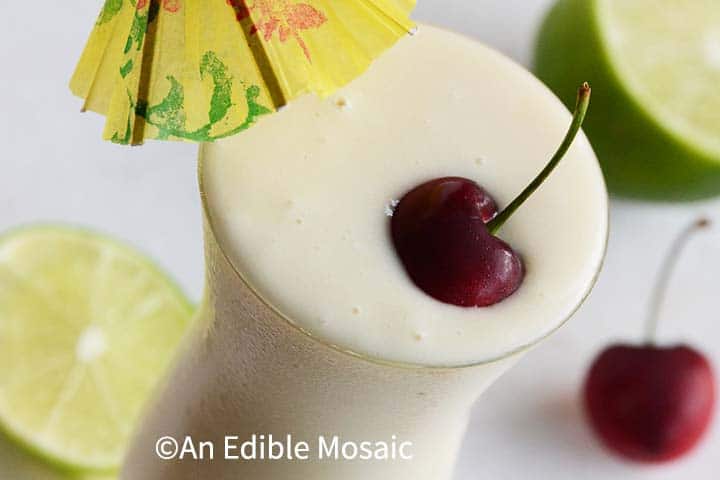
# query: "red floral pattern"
284,17
171,6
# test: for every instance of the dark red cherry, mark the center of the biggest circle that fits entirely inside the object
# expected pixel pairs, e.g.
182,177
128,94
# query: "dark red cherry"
444,233
650,404
440,233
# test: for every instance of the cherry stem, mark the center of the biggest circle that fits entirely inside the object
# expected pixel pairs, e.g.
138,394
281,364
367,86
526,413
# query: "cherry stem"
581,108
666,272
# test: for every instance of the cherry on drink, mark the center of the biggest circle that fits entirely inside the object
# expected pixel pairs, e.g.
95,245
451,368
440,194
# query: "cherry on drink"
444,232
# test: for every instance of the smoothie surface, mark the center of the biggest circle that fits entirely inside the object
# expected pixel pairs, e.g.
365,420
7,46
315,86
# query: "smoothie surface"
300,203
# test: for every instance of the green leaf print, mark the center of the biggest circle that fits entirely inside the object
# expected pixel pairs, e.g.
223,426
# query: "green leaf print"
140,26
222,91
137,32
169,116
255,110
127,68
109,10
125,140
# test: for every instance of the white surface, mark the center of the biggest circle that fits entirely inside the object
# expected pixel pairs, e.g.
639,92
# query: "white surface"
529,425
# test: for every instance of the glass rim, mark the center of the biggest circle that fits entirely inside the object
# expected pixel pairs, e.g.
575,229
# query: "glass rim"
369,358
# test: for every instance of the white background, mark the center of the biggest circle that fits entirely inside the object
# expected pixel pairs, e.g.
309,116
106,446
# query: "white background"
54,167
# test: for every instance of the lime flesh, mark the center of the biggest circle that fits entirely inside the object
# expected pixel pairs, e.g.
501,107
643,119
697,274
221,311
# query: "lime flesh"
654,67
87,328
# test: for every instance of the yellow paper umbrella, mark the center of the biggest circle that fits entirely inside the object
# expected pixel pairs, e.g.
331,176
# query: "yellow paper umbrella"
201,70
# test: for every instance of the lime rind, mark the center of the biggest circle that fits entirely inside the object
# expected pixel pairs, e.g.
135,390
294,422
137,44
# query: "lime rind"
641,156
672,71
116,383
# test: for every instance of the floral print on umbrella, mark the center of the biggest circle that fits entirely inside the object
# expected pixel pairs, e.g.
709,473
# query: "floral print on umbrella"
171,6
287,18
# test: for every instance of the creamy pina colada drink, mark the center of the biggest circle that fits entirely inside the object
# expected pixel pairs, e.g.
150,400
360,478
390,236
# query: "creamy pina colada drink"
311,325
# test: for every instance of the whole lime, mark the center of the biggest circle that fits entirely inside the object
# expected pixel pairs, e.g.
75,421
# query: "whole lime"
655,70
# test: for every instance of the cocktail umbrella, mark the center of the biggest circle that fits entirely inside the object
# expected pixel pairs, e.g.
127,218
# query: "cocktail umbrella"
201,70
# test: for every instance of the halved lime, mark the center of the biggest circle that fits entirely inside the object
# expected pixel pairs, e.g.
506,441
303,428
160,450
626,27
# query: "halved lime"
655,70
87,329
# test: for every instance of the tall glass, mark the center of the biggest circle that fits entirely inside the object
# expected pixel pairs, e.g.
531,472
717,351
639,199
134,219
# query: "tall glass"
250,371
